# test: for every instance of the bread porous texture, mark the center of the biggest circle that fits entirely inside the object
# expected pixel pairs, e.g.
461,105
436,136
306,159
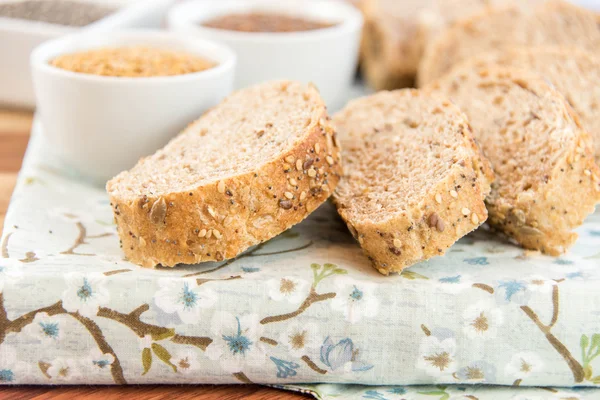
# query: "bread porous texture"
247,170
527,23
546,179
574,72
414,180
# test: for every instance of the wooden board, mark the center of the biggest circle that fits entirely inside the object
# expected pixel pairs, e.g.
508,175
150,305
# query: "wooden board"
14,135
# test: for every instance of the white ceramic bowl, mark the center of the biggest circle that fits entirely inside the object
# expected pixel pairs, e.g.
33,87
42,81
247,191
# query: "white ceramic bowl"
102,125
327,57
19,37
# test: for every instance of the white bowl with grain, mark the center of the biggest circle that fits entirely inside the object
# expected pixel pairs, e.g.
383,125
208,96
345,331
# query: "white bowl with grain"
18,38
101,125
326,57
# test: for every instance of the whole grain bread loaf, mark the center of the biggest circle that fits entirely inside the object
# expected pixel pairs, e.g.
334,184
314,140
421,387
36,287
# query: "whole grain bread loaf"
546,178
574,72
396,33
247,170
552,22
414,180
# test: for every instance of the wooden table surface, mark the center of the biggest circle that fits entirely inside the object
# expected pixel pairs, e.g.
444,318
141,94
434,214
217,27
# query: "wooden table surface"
14,135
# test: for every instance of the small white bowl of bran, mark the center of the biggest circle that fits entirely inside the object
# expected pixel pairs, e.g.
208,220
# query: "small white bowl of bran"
307,41
107,99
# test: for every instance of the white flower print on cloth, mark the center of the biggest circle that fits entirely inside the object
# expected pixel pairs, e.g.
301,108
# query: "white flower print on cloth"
524,364
481,320
98,361
184,297
342,356
236,341
64,370
301,338
355,299
537,283
186,361
45,328
12,370
455,283
436,356
289,288
85,293
477,371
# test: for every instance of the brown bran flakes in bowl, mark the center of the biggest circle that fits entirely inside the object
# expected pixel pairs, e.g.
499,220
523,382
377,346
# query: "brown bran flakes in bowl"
132,62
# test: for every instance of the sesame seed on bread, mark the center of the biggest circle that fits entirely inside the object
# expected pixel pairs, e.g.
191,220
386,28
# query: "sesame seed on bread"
574,72
546,179
414,179
247,170
537,23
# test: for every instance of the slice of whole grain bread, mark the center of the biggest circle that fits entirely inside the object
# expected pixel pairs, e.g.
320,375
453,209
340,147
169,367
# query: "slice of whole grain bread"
247,170
414,179
546,178
552,22
396,33
574,72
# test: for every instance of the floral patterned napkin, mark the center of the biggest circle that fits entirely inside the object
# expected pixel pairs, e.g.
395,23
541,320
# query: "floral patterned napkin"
442,392
303,307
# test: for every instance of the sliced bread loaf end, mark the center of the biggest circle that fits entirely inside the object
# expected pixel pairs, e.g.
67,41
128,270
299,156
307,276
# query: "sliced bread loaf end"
247,170
528,23
546,178
397,32
414,179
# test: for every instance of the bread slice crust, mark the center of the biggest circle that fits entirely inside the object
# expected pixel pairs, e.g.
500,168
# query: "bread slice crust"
541,215
220,219
453,206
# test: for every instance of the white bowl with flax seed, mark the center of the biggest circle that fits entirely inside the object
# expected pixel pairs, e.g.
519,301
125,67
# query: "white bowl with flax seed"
102,125
325,56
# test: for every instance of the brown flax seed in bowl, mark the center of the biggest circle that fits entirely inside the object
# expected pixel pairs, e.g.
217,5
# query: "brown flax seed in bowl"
134,62
265,22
